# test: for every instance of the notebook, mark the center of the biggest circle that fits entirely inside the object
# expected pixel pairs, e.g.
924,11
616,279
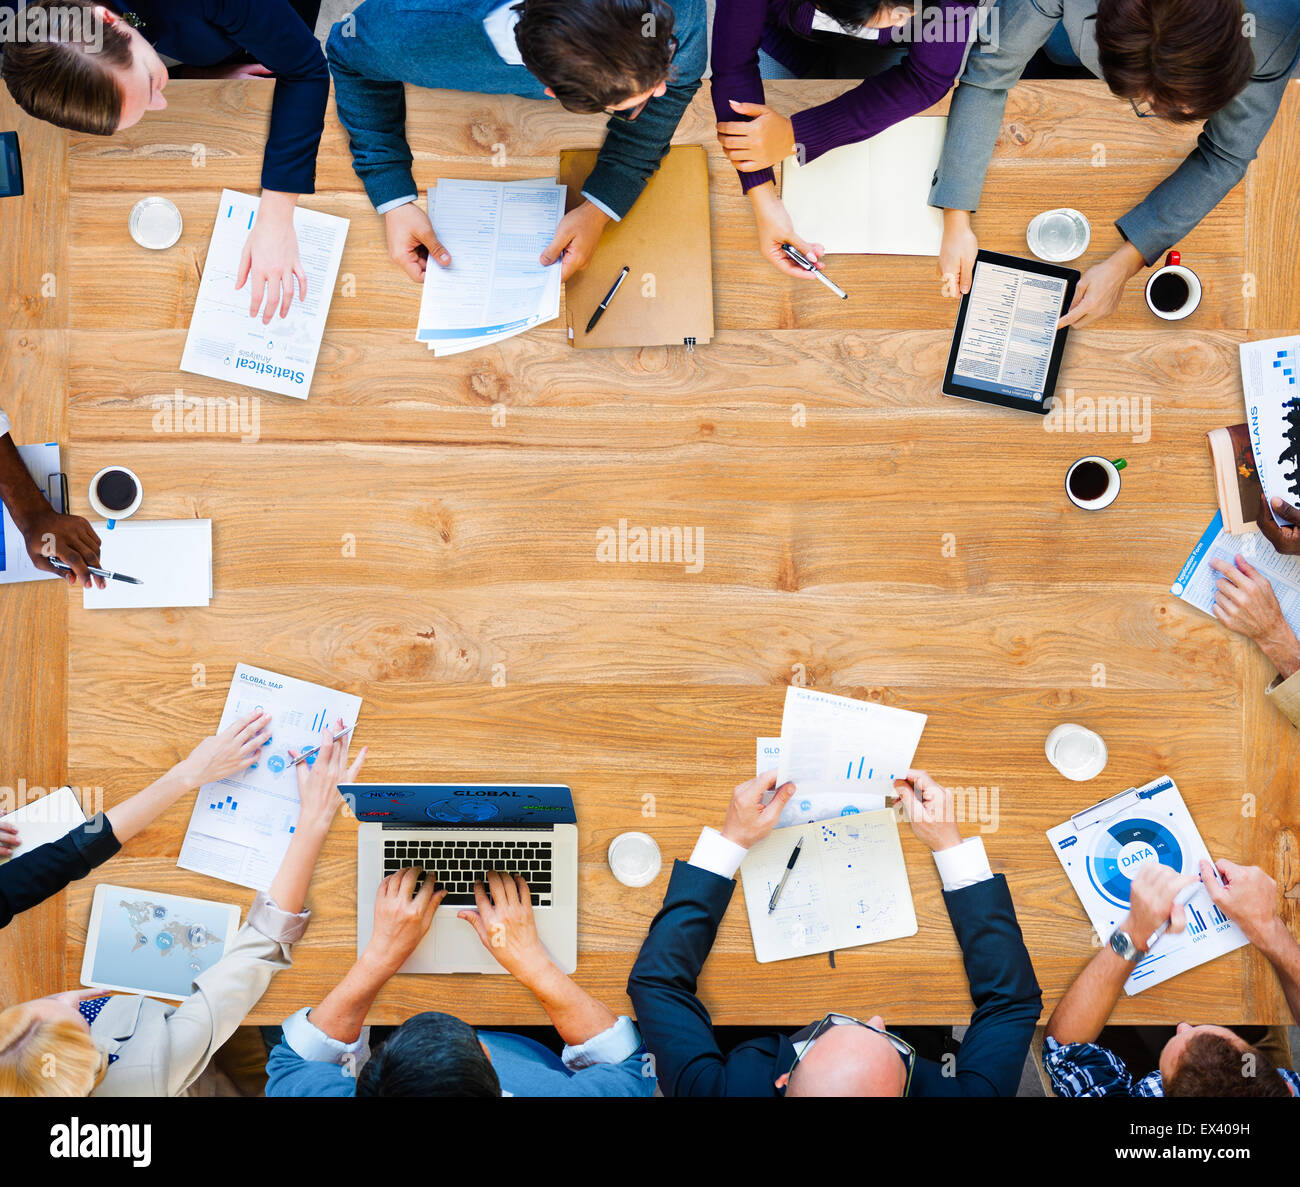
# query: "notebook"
872,197
667,298
172,557
848,888
44,820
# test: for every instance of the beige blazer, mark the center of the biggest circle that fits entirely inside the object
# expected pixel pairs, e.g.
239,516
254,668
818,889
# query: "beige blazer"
1285,695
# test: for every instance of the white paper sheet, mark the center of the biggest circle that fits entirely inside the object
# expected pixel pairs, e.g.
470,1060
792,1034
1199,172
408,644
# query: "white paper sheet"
224,342
42,462
44,820
240,827
172,557
806,807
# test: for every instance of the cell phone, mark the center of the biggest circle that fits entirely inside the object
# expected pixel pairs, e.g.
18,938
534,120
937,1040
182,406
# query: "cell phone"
11,166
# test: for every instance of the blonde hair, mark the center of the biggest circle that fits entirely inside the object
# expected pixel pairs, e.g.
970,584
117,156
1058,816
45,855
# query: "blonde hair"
39,1057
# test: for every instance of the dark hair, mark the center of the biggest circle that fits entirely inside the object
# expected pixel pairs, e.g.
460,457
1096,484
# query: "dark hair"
596,53
60,76
430,1054
1189,58
1212,1066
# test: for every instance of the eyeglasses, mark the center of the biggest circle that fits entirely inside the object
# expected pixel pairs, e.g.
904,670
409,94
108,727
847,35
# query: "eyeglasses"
1143,110
810,1034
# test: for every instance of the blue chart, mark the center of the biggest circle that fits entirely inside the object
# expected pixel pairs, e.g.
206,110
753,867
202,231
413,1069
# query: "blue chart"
1122,849
319,722
229,804
858,769
1196,921
1284,361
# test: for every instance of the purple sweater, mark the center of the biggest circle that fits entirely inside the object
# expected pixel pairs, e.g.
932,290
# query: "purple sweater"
919,81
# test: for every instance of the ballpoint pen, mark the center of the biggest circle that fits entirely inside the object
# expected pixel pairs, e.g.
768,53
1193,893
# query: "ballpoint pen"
780,886
306,754
808,266
609,296
105,573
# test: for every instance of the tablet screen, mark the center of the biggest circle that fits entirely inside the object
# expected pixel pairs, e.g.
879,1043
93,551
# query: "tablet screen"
1006,344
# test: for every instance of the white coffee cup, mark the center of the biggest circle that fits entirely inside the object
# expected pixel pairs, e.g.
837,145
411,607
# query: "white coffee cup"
634,858
1174,267
155,223
1107,496
111,515
1075,751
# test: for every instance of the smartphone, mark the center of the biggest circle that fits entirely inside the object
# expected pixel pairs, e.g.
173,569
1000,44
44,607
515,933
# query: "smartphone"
11,166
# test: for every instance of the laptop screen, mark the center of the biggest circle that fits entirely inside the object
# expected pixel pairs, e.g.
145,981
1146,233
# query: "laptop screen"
460,803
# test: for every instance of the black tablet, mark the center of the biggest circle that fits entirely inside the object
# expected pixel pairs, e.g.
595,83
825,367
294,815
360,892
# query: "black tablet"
1006,348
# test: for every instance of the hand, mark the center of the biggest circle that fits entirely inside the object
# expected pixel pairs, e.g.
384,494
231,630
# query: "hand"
270,257
242,70
401,921
318,781
68,538
931,809
757,143
1247,896
1244,602
1151,901
411,241
575,239
957,253
775,228
749,820
1285,539
9,839
504,922
1101,288
233,750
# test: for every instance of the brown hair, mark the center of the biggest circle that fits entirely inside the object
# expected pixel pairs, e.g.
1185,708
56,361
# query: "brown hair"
1188,58
43,1058
596,53
1212,1066
61,69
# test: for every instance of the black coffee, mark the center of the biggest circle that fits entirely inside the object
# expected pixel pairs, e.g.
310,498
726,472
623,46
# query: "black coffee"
116,490
1089,481
1169,293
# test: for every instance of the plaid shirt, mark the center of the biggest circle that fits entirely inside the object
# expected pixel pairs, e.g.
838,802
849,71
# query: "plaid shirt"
1085,1069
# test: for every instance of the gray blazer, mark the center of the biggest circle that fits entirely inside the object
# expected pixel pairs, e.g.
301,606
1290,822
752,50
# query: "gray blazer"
161,1048
1228,143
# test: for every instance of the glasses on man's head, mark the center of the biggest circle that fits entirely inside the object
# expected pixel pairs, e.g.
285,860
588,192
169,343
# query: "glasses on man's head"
803,1043
1143,109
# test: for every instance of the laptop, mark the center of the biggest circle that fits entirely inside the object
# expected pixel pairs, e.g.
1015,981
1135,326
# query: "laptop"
457,832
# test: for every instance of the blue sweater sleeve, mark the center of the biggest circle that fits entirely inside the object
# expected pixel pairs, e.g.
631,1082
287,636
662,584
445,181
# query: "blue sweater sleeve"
273,33
288,1074
31,878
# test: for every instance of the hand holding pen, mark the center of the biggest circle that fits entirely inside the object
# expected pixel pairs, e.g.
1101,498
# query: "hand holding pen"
802,261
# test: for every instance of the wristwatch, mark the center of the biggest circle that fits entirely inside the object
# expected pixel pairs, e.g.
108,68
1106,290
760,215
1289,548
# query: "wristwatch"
1122,945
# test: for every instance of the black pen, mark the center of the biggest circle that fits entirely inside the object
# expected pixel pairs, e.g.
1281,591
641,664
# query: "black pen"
609,296
65,568
808,266
780,886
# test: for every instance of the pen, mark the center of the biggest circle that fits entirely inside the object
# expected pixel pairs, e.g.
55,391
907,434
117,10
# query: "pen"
1181,899
808,266
609,296
65,568
780,886
306,754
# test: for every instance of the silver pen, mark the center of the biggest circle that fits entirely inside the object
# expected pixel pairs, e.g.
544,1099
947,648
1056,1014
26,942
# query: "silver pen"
808,266
63,567
306,754
780,886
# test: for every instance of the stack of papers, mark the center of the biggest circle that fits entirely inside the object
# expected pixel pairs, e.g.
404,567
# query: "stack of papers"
224,342
171,557
495,286
42,462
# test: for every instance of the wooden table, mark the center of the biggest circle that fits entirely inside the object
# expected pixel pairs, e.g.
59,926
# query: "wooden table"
863,534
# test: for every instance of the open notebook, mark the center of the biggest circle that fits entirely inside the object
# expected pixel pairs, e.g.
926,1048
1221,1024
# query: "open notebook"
172,557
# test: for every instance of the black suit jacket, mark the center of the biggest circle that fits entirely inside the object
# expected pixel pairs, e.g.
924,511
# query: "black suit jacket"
30,878
679,1033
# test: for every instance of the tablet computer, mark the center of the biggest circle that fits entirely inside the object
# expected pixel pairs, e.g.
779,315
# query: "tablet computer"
146,941
1006,349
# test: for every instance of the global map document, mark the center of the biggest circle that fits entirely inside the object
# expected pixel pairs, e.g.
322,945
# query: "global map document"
224,342
241,826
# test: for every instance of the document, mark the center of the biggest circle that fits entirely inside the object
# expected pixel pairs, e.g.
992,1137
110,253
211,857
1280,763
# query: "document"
1102,850
1196,581
848,888
495,287
872,197
864,795
1010,329
1269,374
42,462
171,557
224,342
241,826
43,820
831,745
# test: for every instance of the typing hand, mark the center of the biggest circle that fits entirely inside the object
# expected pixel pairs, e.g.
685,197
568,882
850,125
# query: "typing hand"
318,781
1248,896
68,538
749,820
1151,902
9,839
401,919
233,750
504,922
957,253
932,810
411,241
270,259
759,142
575,239
775,228
1285,539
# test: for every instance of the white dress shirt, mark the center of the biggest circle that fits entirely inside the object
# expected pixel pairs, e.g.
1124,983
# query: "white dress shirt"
4,423
821,23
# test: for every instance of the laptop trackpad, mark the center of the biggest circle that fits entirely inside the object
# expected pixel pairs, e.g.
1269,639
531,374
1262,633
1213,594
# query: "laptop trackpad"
457,948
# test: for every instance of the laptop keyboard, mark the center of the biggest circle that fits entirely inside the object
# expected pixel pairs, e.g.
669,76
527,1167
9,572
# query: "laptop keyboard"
458,864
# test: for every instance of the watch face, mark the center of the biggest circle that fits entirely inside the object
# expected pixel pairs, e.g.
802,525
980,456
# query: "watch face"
1124,946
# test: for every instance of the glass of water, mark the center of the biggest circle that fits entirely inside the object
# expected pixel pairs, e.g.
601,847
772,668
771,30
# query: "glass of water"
1059,235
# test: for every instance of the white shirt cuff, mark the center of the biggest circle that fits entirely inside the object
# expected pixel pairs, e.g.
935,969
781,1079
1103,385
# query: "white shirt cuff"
312,1043
599,205
713,852
4,424
395,203
614,1044
964,864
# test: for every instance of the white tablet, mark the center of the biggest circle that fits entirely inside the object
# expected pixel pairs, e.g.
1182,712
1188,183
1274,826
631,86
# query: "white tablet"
43,820
146,941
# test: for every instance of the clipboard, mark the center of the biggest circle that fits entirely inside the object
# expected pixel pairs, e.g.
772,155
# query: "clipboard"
667,298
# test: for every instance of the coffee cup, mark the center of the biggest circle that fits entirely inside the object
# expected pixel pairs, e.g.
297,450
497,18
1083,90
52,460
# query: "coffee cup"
1174,291
1092,483
115,493
634,858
